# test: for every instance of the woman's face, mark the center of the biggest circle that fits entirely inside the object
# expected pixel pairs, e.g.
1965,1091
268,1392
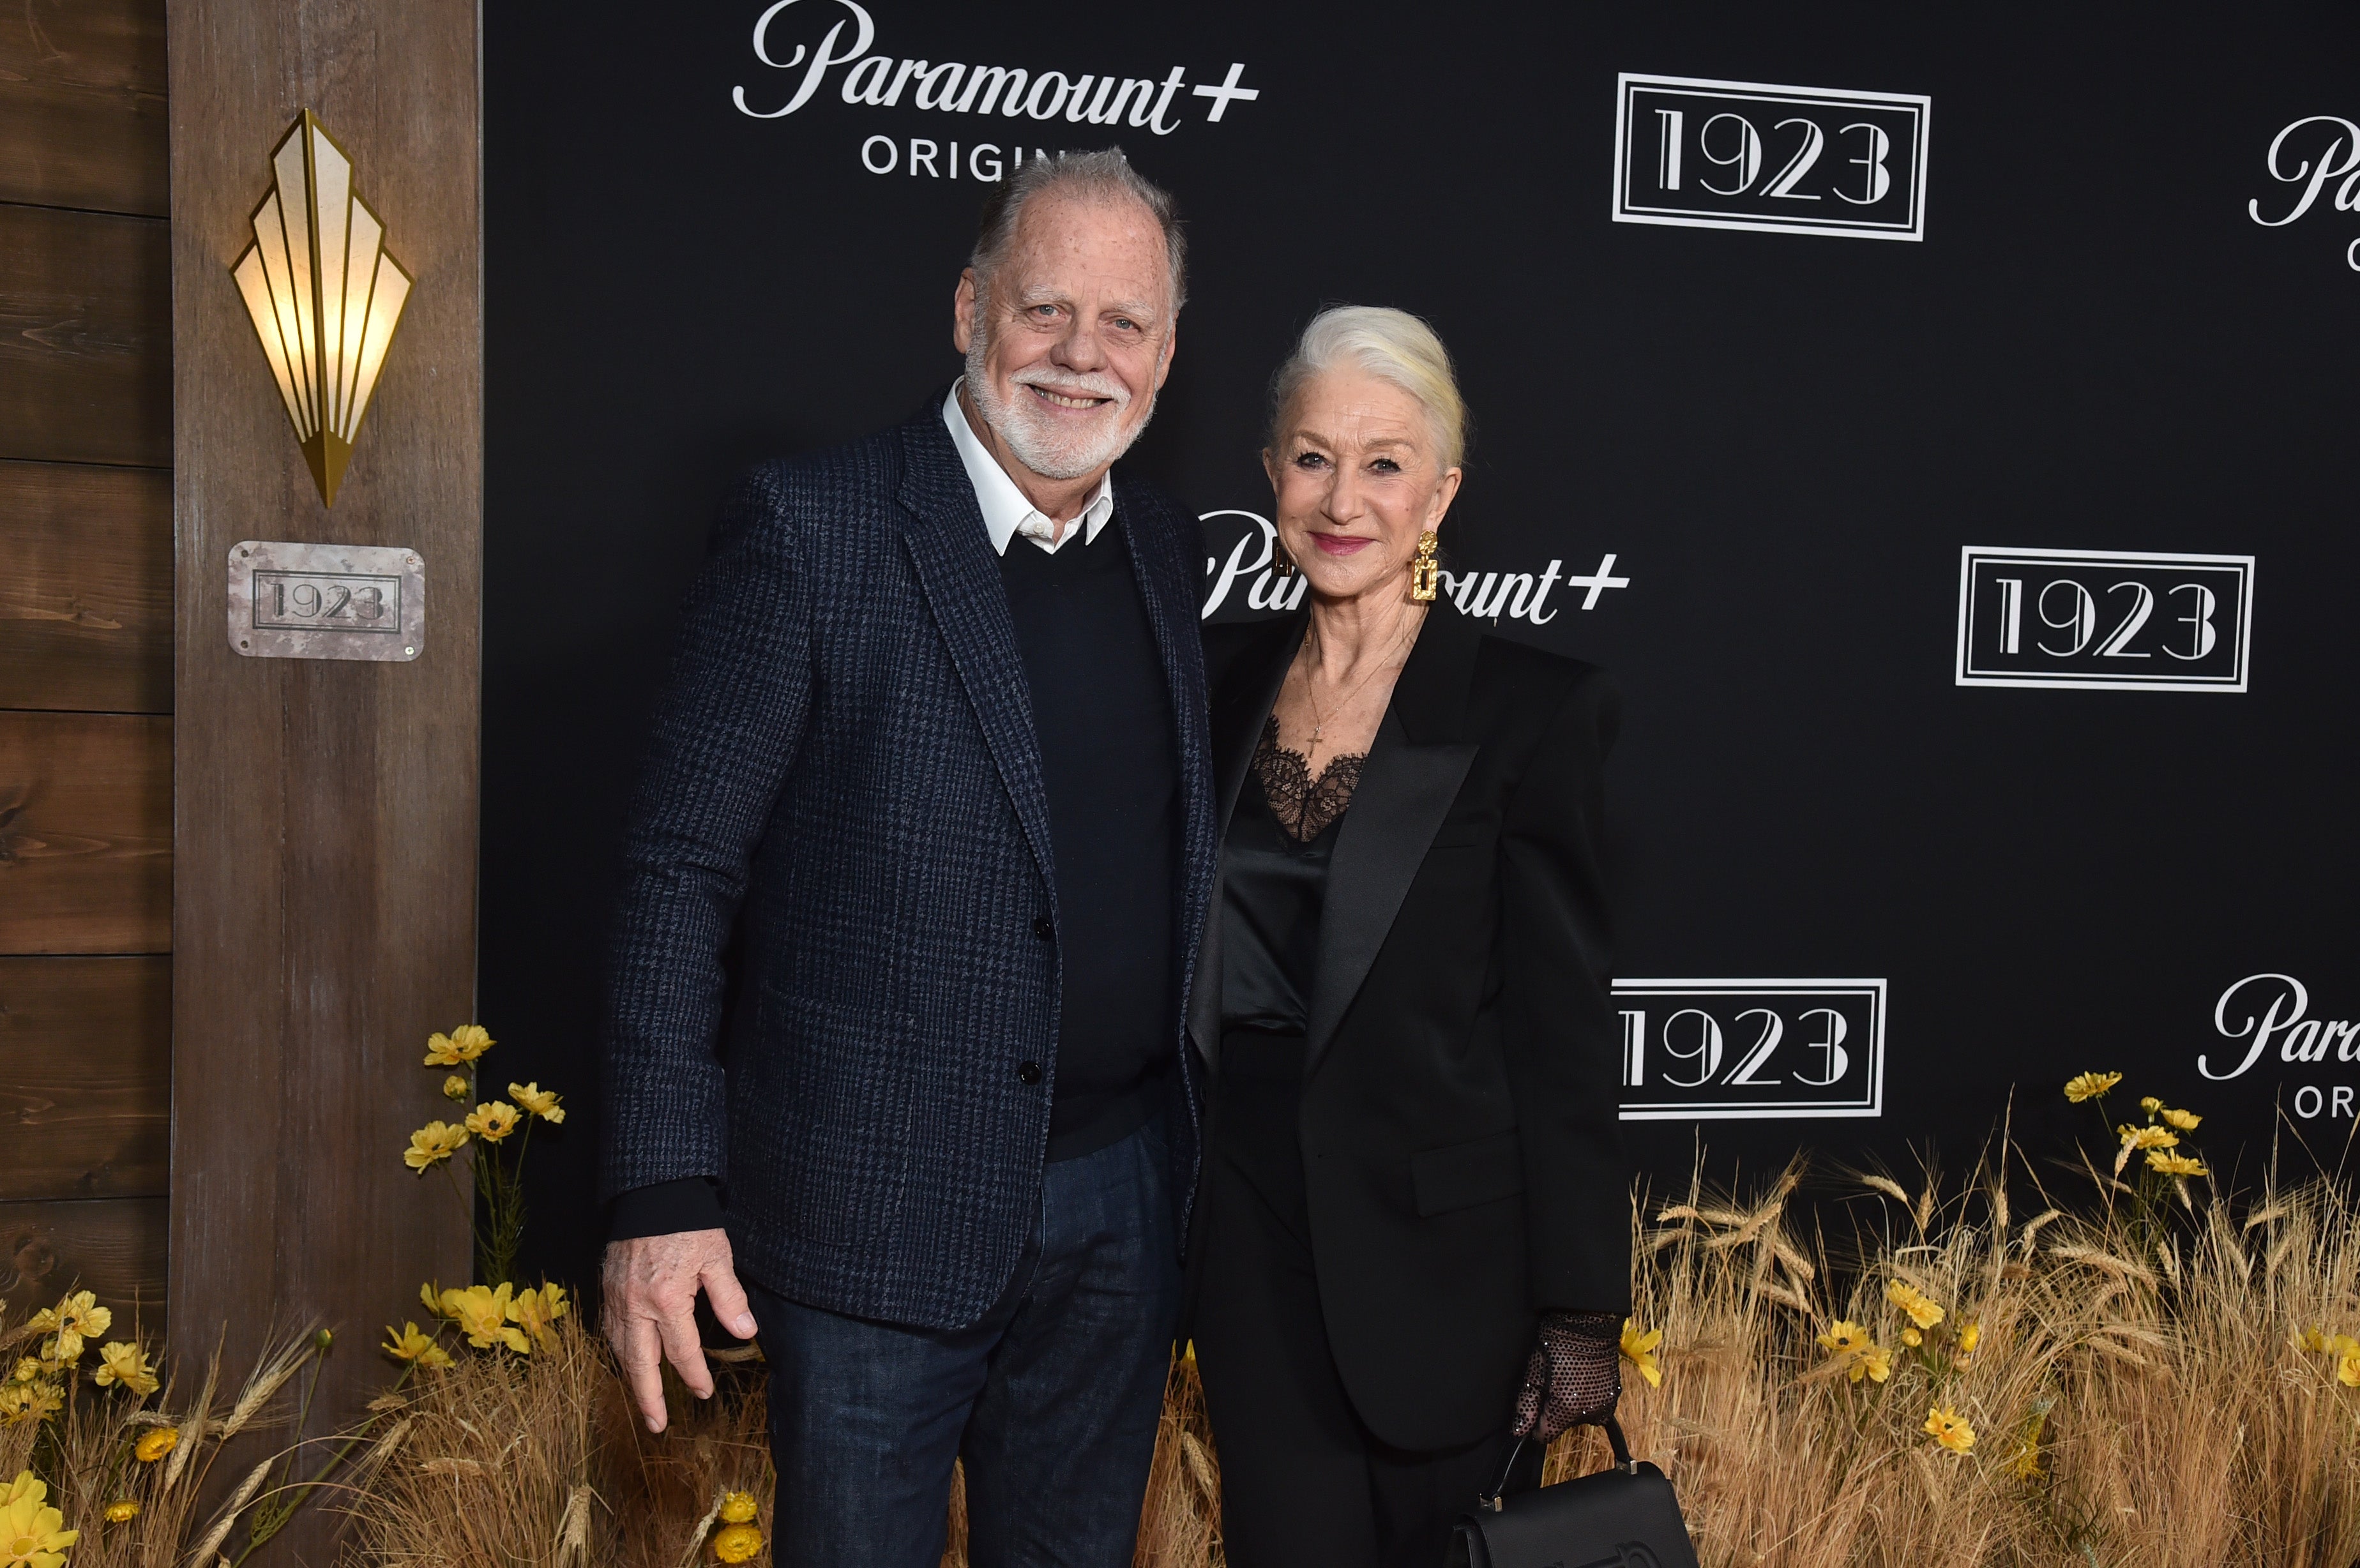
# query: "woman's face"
1357,481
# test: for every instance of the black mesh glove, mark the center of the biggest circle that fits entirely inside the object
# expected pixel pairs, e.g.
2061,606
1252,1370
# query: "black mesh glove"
1575,1375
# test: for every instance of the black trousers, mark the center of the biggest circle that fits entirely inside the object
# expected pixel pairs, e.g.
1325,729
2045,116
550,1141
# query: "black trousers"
1304,1482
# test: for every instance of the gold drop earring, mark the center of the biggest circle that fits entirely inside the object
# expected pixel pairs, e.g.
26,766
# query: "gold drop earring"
1424,576
1285,567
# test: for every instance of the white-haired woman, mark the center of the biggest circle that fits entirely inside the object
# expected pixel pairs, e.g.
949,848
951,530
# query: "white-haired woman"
1413,1236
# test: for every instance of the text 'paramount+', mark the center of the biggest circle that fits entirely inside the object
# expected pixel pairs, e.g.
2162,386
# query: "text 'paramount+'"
2309,154
788,37
1252,560
2264,1010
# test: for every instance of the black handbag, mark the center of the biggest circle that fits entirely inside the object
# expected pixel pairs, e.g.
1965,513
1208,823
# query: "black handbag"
1622,1518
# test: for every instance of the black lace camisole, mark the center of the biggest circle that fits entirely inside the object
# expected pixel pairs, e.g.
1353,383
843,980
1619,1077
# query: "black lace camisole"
1274,885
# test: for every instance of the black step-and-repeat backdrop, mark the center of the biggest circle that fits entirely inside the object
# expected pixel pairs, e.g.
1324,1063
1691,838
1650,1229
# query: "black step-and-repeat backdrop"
1943,426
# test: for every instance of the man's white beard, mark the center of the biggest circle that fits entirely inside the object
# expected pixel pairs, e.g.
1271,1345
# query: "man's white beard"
1040,441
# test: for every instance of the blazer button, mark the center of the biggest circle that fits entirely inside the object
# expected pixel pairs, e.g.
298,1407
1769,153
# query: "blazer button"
1028,1073
1043,929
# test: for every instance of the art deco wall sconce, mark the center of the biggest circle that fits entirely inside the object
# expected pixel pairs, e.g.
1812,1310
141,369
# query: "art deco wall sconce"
324,296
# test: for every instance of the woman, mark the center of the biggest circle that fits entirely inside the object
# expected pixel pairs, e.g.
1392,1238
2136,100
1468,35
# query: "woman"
1415,1214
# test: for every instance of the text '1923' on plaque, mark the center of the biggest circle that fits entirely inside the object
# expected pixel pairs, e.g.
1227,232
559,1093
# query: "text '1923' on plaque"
326,600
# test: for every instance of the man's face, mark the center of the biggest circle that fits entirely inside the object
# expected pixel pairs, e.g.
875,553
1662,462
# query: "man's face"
1069,340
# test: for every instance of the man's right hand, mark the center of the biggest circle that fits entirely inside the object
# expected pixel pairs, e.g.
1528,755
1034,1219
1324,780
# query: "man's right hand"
649,1286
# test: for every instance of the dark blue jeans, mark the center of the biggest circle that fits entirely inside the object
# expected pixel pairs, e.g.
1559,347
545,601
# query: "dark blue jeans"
1051,1400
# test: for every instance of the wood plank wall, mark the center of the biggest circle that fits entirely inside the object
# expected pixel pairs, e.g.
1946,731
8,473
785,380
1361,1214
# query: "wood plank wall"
85,652
324,881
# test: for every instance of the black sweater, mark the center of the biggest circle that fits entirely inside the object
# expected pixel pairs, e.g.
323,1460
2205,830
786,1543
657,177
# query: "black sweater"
1109,761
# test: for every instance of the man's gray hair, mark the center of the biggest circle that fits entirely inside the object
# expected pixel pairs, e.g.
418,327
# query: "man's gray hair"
1105,175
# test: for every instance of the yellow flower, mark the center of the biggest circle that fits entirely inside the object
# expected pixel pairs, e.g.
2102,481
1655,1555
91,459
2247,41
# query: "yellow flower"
122,1512
739,1508
412,1344
1950,1428
30,1536
1849,1342
21,1402
432,1143
2347,1370
2151,1104
454,1087
737,1542
541,1102
462,1044
537,1312
1639,1350
2148,1136
2175,1164
156,1443
1921,1307
1912,1338
482,1315
74,1318
1970,1336
126,1365
1845,1337
2090,1085
492,1121
2184,1120
2342,1345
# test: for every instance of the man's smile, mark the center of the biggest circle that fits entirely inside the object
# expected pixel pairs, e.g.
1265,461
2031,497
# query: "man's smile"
1064,399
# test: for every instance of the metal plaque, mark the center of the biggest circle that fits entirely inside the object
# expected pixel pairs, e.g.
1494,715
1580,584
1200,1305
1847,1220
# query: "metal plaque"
326,600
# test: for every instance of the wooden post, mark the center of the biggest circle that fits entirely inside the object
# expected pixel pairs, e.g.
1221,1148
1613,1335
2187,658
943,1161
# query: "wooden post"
323,906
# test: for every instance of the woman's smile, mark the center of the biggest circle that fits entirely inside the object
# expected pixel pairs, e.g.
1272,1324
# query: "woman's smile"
1341,544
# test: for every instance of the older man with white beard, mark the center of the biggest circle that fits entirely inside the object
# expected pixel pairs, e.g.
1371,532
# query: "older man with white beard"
911,884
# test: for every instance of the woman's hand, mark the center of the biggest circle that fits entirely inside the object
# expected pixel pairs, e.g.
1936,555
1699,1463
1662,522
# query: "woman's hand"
1575,1375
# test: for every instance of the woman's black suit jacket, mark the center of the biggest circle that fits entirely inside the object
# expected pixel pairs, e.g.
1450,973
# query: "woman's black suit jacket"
1462,1155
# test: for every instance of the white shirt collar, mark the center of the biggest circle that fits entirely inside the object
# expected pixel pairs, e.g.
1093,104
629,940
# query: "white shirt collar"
1006,512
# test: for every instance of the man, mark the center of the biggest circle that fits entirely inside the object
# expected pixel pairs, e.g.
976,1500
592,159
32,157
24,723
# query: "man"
928,798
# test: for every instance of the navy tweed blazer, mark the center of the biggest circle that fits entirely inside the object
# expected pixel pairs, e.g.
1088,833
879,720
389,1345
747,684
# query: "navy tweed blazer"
841,824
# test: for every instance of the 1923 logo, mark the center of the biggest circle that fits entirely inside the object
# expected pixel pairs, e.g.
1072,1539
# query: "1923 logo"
1694,152
301,601
2117,622
1750,1050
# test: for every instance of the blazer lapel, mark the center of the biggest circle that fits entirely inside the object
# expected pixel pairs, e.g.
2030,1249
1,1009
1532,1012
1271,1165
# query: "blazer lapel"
1406,787
1165,587
944,529
1240,710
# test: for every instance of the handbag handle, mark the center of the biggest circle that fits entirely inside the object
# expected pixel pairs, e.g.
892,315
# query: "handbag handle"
1495,1498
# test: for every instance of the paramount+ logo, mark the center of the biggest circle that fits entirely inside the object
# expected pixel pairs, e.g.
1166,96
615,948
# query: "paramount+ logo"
1246,576
2311,155
827,50
2263,1011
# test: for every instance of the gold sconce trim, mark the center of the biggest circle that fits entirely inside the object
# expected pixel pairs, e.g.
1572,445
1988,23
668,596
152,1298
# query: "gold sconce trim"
324,296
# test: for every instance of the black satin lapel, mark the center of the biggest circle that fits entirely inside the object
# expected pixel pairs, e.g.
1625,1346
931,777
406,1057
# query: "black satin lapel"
1406,791
1244,708
1240,711
944,529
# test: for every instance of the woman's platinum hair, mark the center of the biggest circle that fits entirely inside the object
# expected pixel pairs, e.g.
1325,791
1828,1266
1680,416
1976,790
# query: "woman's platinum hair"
1105,175
1392,345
